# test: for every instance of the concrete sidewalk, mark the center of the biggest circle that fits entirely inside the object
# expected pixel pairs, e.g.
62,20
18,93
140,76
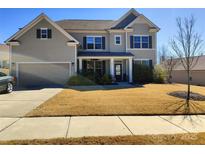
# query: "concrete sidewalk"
54,127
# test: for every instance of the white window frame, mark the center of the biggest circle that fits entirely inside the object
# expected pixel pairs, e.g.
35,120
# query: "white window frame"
116,40
140,41
43,34
94,36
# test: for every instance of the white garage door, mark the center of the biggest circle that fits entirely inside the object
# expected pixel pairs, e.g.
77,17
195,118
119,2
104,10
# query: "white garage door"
43,74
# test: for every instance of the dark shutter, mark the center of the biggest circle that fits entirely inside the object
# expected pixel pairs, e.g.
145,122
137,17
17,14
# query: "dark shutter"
150,42
103,43
38,33
84,43
150,63
49,33
103,71
131,42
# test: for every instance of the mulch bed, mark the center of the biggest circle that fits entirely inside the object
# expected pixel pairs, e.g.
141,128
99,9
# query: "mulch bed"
183,94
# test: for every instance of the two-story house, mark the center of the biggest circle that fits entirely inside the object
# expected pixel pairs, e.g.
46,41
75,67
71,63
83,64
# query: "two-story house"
45,52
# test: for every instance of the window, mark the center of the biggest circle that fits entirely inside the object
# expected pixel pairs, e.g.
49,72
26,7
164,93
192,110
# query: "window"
117,39
94,42
94,66
44,33
143,62
141,41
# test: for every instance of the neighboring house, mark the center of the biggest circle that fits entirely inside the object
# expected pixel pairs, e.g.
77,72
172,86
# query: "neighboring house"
4,56
45,52
197,74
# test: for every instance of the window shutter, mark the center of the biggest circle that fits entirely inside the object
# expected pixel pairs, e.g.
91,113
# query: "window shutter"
38,33
150,42
84,42
103,43
49,33
131,42
103,67
150,63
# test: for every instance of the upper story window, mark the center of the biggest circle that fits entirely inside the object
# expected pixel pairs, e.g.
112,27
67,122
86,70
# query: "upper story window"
117,39
94,42
138,41
44,33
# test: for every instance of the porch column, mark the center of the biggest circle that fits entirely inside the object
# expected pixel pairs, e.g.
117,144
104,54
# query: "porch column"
80,65
112,73
130,70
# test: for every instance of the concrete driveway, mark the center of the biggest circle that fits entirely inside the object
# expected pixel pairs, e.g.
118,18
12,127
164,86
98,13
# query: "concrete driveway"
18,103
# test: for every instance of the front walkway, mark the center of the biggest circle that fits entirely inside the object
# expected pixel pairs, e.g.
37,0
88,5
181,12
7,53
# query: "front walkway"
54,127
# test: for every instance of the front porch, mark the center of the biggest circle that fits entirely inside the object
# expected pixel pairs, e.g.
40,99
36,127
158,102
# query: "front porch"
118,66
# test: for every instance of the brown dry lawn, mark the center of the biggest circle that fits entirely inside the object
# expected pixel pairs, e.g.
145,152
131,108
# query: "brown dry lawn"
119,140
152,99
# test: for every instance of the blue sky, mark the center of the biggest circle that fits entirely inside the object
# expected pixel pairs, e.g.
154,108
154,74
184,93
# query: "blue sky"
12,19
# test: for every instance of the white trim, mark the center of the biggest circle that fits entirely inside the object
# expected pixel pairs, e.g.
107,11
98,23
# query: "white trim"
141,59
130,69
126,41
10,59
46,38
75,59
34,22
105,57
120,39
146,19
71,44
43,62
141,49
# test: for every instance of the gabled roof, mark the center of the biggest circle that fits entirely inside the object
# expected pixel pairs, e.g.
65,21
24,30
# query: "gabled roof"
123,21
33,23
141,16
85,24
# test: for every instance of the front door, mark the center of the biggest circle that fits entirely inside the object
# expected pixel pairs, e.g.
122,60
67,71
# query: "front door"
118,72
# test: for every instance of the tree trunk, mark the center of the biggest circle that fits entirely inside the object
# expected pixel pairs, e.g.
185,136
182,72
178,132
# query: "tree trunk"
188,88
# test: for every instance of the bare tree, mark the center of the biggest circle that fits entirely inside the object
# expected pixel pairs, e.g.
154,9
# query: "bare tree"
168,62
187,46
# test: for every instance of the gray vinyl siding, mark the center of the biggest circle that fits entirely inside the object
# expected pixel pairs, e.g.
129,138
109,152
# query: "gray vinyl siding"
142,29
32,49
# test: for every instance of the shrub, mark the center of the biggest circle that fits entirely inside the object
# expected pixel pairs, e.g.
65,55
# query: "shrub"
79,80
106,79
159,74
142,73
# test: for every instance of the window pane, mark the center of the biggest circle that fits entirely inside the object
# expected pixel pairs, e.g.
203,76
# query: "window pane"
145,62
90,42
145,45
137,39
98,64
137,61
145,39
117,40
98,42
136,45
